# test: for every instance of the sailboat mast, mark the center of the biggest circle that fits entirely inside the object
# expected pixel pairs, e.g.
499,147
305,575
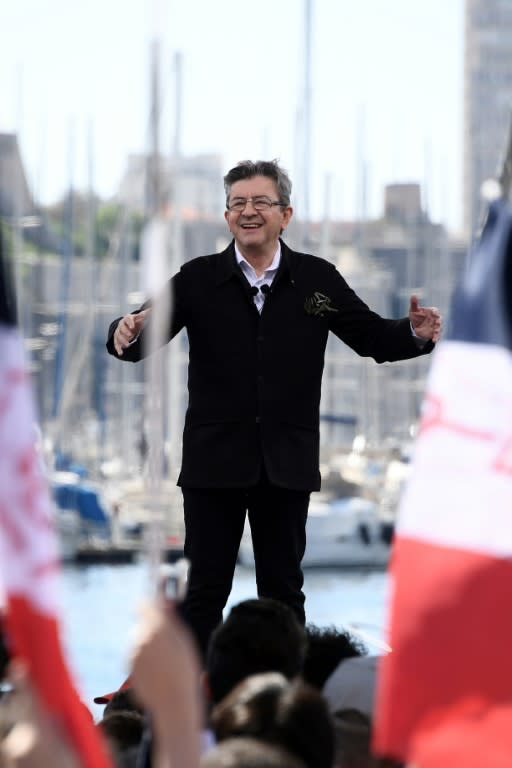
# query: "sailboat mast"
176,259
154,259
306,123
65,278
153,182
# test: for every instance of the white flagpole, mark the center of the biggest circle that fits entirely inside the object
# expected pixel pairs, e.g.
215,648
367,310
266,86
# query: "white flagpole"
154,248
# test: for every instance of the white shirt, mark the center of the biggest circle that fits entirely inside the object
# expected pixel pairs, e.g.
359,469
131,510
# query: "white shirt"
264,279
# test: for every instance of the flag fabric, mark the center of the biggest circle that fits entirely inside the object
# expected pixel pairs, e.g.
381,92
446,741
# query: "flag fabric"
29,565
444,693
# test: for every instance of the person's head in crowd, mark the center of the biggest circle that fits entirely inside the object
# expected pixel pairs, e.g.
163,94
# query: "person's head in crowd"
122,700
122,730
258,635
326,648
250,708
106,698
349,694
290,714
352,686
249,753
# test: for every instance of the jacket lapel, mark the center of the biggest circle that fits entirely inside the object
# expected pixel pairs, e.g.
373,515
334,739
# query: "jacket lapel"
227,268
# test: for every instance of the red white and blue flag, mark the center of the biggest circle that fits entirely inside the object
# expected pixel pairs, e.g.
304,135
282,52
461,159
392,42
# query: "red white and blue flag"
444,693
29,565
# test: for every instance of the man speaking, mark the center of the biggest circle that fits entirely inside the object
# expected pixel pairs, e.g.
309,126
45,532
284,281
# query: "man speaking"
257,317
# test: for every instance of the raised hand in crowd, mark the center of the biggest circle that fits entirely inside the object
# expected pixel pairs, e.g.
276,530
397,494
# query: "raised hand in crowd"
165,677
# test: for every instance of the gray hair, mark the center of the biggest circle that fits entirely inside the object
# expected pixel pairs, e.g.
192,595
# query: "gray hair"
247,169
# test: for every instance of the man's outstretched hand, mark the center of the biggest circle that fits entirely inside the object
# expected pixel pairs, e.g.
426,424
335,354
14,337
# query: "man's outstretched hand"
426,321
128,329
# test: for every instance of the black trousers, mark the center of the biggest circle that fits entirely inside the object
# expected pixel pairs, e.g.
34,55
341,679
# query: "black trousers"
214,523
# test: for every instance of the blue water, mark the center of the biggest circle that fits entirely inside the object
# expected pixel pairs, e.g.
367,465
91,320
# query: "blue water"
99,613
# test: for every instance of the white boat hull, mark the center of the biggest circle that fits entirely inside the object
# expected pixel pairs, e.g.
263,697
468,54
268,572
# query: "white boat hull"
343,532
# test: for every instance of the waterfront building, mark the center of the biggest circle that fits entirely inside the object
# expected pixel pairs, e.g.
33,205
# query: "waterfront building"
199,177
487,99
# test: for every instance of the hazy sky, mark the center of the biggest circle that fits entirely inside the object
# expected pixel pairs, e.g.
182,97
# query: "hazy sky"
386,74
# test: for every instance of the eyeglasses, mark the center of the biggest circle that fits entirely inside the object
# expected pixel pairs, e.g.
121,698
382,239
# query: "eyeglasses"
260,203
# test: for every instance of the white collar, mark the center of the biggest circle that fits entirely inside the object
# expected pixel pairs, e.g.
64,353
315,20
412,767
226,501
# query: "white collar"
245,264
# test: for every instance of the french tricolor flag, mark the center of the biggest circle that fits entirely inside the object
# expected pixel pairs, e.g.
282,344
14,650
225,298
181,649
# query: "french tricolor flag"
444,693
29,566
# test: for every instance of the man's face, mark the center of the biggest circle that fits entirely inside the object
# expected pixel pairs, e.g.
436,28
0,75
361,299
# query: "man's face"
256,229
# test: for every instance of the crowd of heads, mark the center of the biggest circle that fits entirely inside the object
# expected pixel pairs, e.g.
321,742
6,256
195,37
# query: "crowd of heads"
271,693
269,690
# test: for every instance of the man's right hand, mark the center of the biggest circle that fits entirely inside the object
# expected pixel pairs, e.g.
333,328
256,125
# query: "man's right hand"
128,329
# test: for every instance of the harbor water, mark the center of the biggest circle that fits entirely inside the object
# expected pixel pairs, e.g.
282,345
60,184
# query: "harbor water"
100,611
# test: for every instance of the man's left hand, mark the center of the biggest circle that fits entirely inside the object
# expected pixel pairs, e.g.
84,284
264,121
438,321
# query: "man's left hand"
426,321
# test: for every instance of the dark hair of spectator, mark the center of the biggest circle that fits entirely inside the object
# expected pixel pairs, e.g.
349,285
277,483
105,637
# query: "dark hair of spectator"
257,636
123,701
326,648
122,730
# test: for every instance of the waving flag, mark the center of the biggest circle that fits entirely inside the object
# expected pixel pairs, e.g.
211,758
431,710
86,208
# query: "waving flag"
29,566
444,693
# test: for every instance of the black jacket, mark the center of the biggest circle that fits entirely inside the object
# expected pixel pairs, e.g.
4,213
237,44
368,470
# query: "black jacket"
254,380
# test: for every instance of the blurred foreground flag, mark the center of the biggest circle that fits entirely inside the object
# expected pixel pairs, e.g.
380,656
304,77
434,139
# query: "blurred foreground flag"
29,566
444,693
